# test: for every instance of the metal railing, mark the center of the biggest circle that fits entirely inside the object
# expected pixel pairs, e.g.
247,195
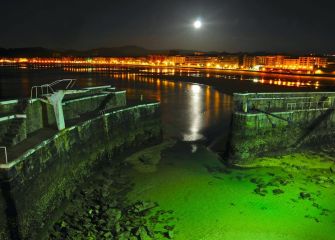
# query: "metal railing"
310,105
49,88
5,151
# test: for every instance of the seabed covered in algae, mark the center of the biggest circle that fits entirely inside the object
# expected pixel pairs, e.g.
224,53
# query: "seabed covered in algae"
181,190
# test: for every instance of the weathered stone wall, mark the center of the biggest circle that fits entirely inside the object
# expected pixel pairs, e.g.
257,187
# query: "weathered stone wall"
74,107
7,110
22,132
8,125
33,111
267,133
40,114
8,106
4,125
34,114
43,178
243,102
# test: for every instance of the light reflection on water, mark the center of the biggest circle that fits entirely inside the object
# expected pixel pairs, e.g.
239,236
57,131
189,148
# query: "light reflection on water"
196,103
190,112
264,78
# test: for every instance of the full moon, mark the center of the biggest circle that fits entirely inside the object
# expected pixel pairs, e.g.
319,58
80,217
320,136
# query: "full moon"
197,24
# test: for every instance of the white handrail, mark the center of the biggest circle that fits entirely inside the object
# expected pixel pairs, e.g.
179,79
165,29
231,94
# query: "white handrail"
310,105
5,149
44,88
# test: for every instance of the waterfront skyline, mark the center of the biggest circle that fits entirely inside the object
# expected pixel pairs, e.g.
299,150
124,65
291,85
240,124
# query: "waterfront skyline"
231,26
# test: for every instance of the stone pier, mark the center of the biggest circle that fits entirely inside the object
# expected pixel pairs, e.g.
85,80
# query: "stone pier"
266,124
47,160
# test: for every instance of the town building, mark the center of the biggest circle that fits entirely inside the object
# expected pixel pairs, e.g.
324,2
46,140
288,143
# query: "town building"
177,60
197,60
248,62
280,62
229,61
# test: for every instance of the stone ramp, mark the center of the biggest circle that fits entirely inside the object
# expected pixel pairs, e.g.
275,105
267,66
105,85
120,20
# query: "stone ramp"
30,143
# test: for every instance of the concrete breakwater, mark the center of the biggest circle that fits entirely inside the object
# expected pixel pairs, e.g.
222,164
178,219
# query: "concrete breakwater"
265,124
44,165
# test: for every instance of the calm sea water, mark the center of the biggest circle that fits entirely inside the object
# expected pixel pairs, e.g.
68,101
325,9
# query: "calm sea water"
190,111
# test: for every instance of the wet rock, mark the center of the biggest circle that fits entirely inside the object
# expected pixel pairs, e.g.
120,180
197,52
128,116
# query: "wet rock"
150,232
125,236
261,191
114,214
256,180
316,205
284,182
141,233
145,159
169,228
102,211
277,191
168,235
117,228
108,235
322,178
143,206
305,195
274,182
311,217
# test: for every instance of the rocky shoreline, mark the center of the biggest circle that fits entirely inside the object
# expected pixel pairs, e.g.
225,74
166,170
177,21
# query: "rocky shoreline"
101,210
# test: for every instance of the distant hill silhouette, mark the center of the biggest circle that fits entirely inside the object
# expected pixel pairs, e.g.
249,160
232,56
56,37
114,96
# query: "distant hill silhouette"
27,52
123,51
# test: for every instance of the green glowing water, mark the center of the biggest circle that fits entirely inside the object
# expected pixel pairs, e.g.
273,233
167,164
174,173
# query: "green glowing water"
212,202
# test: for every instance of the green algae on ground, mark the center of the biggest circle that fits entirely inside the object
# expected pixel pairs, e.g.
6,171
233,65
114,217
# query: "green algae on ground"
213,202
297,161
148,159
194,196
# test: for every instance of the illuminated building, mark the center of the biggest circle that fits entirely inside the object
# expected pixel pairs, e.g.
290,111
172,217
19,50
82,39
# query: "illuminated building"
279,63
313,62
291,62
274,61
178,60
249,62
199,61
157,59
261,60
229,61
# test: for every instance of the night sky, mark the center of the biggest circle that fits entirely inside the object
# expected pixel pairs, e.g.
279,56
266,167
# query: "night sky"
228,25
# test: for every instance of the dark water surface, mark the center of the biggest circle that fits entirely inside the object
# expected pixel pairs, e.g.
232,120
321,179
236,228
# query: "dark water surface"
190,112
